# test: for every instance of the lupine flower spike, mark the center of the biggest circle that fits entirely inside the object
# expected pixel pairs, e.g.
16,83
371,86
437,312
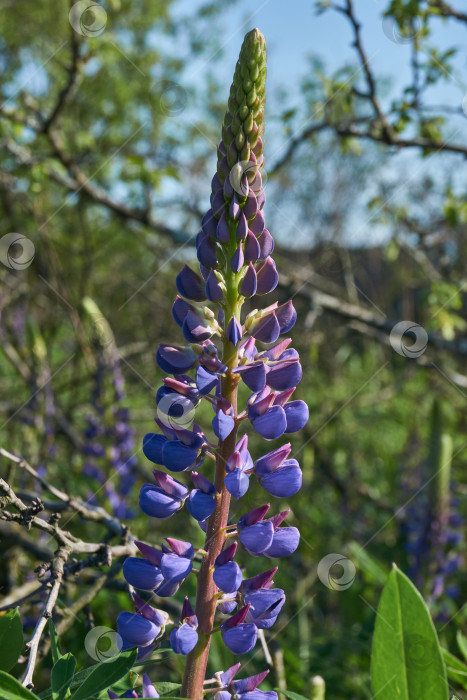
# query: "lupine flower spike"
223,347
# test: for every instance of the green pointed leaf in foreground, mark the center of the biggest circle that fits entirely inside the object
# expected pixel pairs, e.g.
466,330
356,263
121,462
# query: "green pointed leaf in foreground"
289,694
456,669
54,643
164,688
11,639
462,643
105,675
406,659
11,689
62,675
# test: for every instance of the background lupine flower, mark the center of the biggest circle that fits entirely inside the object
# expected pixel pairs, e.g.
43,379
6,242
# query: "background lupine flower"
234,253
148,691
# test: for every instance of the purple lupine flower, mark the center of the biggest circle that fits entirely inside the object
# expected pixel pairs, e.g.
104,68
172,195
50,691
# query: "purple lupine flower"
139,629
239,636
234,252
201,501
184,638
227,573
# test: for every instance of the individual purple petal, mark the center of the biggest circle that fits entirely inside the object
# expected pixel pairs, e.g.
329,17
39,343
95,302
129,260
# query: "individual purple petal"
222,231
253,516
272,460
159,617
227,676
156,503
203,484
285,541
266,244
267,277
148,689
205,381
175,359
141,574
251,206
222,425
285,481
265,606
248,284
183,639
180,308
251,250
238,259
200,505
153,556
190,285
195,329
259,403
257,538
237,482
254,376
228,577
297,414
167,589
263,580
213,289
178,457
242,227
285,375
227,607
267,329
209,224
181,548
175,568
217,203
207,252
248,349
234,331
286,315
245,685
153,444
257,224
277,350
240,639
135,629
271,424
234,207
226,555
282,398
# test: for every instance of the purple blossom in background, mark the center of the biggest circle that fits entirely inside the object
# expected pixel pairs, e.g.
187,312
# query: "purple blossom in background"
224,348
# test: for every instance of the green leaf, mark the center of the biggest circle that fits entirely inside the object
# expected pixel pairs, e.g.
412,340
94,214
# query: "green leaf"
54,643
456,669
106,674
406,659
462,643
62,674
11,639
11,689
164,688
289,694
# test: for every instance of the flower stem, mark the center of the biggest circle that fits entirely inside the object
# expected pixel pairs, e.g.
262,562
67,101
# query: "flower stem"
206,597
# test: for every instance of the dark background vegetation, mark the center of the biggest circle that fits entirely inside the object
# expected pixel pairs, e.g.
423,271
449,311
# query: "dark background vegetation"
106,158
